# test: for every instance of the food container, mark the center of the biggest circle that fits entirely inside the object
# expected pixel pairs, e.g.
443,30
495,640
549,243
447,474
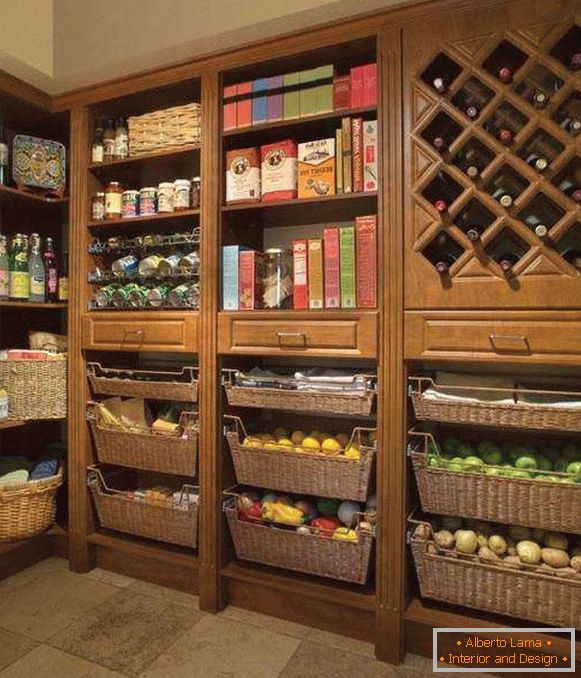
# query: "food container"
113,200
158,296
182,190
165,197
148,201
130,204
169,265
125,266
196,193
279,170
150,265
104,296
243,175
190,263
98,207
277,281
185,295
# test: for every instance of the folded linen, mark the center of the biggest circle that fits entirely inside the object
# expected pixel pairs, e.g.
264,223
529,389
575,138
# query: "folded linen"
14,479
556,400
467,386
44,469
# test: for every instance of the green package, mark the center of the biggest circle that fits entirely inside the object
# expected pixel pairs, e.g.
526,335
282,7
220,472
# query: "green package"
290,97
347,257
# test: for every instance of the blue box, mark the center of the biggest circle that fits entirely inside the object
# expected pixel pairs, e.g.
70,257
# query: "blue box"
230,293
259,103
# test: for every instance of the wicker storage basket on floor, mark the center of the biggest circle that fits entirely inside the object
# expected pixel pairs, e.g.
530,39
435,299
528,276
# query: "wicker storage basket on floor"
305,472
27,512
147,451
522,594
165,129
118,512
312,554
37,389
180,386
513,501
490,413
355,404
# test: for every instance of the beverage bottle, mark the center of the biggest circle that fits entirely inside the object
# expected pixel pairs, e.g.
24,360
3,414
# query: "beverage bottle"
4,275
50,271
3,158
63,284
537,161
109,141
121,145
442,265
36,270
97,151
18,269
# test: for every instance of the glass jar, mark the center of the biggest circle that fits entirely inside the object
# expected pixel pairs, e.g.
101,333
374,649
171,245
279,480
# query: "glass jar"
165,197
181,194
196,193
98,207
278,280
113,202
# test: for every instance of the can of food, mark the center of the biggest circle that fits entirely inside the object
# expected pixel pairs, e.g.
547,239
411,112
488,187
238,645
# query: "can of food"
148,201
125,266
122,294
149,265
114,242
185,295
195,193
169,265
165,197
182,189
190,263
104,296
129,204
138,297
98,207
148,240
158,295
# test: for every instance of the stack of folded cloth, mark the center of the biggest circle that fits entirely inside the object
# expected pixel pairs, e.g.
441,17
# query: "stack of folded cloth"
316,380
453,387
16,472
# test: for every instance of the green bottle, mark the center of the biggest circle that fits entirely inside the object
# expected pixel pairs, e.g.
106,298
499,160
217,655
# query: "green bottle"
18,269
4,276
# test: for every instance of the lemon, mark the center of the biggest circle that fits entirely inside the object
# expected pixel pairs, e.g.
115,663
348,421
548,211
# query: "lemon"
352,452
284,442
271,445
281,432
331,446
298,437
251,441
343,439
312,443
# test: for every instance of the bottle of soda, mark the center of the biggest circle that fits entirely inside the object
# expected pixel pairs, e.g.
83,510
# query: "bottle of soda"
18,269
50,271
36,270
4,275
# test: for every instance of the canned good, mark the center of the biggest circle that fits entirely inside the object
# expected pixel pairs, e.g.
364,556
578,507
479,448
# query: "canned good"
104,296
148,240
125,266
138,296
130,204
190,263
169,265
122,294
114,242
158,295
185,295
148,201
98,207
182,189
165,197
149,265
196,193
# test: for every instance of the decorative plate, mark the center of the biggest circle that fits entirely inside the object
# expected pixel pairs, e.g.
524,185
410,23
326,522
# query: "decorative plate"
39,163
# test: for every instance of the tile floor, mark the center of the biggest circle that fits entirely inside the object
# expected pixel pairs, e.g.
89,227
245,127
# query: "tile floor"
57,624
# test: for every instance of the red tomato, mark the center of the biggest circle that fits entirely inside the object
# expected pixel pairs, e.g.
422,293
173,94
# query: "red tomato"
326,525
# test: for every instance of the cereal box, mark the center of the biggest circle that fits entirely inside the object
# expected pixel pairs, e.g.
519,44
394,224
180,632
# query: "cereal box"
317,168
250,276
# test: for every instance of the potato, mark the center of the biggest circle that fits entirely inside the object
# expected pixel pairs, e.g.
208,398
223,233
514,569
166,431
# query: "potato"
565,572
482,540
466,541
511,561
519,533
450,523
529,552
576,563
444,539
556,540
555,557
486,555
423,531
497,544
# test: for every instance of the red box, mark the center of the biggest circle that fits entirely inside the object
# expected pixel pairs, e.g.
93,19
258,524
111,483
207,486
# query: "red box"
300,275
357,154
366,246
341,92
357,84
279,170
370,85
244,106
250,274
332,268
229,107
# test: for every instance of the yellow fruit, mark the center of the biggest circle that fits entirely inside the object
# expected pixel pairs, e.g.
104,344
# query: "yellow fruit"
281,432
352,452
284,442
298,437
252,441
311,443
331,446
270,445
343,439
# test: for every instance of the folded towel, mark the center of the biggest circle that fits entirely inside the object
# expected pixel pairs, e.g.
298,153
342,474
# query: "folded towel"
556,400
443,396
44,469
14,480
464,381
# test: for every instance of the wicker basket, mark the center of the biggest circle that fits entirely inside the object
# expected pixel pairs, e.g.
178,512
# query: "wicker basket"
485,413
524,594
165,129
311,554
119,512
306,472
179,386
37,389
514,501
355,404
28,511
147,451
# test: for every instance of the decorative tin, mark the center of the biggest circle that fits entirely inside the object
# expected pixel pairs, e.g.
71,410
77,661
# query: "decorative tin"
130,204
39,163
148,201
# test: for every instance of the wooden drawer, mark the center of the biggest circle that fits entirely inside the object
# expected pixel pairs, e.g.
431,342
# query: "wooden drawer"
289,333
510,336
135,331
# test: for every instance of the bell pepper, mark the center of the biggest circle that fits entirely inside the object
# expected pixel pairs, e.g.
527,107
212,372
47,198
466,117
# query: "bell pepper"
326,526
254,512
276,512
345,534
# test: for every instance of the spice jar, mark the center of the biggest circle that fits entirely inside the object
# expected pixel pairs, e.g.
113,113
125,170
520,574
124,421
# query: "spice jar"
277,281
196,193
165,197
113,194
148,201
181,194
98,207
129,204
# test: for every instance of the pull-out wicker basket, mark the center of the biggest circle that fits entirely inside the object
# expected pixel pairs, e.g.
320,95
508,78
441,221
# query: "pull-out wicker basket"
117,511
354,404
524,594
179,386
148,451
312,554
489,413
305,472
30,510
37,389
514,501
165,129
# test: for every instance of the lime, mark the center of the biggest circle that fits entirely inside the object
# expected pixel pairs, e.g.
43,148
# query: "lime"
525,461
574,468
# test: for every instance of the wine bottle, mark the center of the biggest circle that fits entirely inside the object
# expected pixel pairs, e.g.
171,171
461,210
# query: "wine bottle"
538,162
472,112
575,63
441,206
572,125
440,144
3,158
571,189
51,272
440,85
507,261
474,233
503,197
535,224
540,99
443,264
505,136
505,74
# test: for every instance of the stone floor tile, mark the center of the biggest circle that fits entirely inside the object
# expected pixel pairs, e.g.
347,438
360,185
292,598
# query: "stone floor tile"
172,595
12,647
48,662
112,578
287,628
343,643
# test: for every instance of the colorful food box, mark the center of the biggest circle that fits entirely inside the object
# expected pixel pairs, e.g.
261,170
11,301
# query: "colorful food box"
347,156
315,273
290,97
279,170
259,101
251,274
316,168
347,259
331,267
357,154
274,103
230,277
370,155
229,107
342,92
300,275
366,228
243,175
244,104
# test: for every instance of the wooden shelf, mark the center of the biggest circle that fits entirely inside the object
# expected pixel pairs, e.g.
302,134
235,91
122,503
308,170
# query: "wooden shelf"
11,423
163,217
9,194
170,154
34,304
279,204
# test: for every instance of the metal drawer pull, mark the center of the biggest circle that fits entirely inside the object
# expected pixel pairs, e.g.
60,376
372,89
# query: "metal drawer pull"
509,337
139,333
291,335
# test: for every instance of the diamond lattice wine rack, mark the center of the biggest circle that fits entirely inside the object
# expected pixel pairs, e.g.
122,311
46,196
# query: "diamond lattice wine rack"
494,167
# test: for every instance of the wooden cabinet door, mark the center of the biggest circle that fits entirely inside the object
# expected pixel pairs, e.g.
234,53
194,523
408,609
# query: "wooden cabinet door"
487,115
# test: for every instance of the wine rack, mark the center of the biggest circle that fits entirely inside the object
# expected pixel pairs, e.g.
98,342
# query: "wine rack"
494,176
